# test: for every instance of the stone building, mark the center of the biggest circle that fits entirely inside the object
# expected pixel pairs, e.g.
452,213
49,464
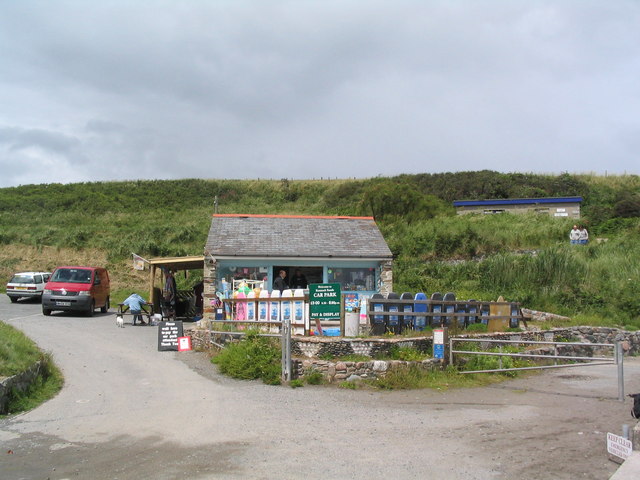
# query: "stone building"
555,207
324,249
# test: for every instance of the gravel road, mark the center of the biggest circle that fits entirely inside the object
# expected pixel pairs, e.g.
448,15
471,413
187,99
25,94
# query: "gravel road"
128,411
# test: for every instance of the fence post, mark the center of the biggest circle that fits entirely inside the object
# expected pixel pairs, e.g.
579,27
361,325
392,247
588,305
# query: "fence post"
620,363
285,340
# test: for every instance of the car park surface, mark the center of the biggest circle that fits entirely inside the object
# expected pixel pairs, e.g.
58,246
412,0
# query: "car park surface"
26,285
128,411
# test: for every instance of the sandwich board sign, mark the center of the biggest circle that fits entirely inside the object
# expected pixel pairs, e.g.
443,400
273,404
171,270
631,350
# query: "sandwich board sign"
619,446
168,334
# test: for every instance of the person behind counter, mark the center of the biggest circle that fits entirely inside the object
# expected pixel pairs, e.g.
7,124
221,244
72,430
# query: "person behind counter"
298,280
280,283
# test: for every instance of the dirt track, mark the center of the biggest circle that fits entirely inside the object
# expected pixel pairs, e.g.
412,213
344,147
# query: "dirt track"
129,412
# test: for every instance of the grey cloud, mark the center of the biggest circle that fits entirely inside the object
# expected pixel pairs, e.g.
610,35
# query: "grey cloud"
249,89
17,139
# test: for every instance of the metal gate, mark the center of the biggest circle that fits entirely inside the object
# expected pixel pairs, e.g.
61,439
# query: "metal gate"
615,359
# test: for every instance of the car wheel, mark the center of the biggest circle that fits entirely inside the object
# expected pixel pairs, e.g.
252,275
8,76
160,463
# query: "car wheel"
46,312
92,308
14,299
105,308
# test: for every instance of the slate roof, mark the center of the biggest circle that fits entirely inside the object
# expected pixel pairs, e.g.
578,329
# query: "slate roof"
295,236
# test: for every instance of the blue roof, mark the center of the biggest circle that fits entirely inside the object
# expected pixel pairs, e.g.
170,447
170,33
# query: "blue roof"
516,201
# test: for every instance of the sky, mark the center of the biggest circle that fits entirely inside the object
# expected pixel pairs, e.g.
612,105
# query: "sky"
121,90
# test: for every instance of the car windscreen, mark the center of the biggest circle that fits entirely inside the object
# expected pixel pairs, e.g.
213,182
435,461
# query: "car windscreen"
21,279
71,275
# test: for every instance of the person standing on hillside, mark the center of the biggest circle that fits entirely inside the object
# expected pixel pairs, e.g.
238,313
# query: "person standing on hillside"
584,236
574,235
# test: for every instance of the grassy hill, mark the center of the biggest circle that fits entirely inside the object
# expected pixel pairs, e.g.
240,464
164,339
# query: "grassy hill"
524,258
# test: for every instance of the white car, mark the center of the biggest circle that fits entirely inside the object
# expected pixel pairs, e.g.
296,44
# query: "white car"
27,285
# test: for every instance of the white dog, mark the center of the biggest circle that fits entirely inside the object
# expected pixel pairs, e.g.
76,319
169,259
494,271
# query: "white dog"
119,321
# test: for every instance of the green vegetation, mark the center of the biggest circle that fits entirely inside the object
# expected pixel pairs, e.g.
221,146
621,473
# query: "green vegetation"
407,354
314,378
46,386
523,258
477,327
490,362
414,377
251,358
17,354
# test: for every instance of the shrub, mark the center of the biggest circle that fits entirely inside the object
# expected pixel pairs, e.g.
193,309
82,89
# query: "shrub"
407,354
251,358
314,378
348,385
477,327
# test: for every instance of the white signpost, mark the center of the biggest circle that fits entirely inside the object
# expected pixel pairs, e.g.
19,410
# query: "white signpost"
619,446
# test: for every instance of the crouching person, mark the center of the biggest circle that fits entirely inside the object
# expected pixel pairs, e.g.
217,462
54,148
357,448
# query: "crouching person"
135,303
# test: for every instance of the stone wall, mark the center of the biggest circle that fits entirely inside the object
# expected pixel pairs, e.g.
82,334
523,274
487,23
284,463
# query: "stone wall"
385,281
354,371
536,316
209,292
630,340
313,347
20,383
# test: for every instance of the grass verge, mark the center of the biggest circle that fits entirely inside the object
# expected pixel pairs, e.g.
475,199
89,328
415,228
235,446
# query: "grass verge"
45,387
17,354
413,377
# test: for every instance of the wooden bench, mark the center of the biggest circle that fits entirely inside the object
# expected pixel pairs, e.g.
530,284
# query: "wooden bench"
147,311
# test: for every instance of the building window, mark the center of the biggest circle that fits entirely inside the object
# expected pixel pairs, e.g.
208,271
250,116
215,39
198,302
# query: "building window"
353,279
231,273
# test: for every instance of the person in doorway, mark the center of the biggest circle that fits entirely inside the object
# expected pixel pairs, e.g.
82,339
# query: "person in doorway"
280,283
298,280
135,302
584,235
198,289
574,235
169,295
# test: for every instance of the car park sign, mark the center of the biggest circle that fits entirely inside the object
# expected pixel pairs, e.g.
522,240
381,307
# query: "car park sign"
324,301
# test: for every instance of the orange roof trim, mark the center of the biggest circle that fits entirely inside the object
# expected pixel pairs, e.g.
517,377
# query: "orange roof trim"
241,215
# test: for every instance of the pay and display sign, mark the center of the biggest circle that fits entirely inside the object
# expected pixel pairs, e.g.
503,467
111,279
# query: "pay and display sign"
324,301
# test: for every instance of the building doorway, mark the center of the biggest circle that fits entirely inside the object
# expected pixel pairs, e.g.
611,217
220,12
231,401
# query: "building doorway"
307,275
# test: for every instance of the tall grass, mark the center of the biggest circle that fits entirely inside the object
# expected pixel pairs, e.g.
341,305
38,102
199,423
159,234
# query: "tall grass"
598,279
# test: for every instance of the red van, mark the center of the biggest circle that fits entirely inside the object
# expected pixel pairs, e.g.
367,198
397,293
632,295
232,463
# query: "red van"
77,289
